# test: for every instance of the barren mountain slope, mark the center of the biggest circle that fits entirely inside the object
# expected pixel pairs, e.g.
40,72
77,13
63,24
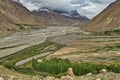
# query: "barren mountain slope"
19,14
14,16
106,20
6,25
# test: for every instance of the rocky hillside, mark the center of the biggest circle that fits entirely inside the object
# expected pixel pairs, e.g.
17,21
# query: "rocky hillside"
7,25
6,22
19,14
107,19
14,16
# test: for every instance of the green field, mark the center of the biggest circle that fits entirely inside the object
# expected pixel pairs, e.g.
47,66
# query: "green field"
11,60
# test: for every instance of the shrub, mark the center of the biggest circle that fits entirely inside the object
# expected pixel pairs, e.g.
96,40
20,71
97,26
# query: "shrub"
53,66
25,70
114,67
86,67
57,66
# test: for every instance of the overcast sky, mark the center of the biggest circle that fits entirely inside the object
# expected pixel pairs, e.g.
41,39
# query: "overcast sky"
88,8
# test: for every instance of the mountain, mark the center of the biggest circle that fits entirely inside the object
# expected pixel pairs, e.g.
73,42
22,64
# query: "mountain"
72,13
13,15
18,14
58,17
108,19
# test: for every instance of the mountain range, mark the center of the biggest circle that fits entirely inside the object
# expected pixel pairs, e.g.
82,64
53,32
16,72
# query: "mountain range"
14,16
58,17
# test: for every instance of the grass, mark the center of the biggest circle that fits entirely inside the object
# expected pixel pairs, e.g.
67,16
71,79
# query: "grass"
58,67
106,58
9,61
113,47
111,32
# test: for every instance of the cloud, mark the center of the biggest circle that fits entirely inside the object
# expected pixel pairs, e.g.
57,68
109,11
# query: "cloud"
89,8
52,4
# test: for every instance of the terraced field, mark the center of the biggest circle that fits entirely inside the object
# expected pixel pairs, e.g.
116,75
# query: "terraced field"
90,48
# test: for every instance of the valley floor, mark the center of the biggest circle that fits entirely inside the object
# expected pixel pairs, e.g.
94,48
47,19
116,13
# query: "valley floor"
20,40
80,45
63,42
